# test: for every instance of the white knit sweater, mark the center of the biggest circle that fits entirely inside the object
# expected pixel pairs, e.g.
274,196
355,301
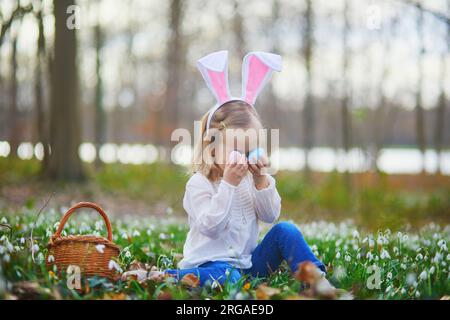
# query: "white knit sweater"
223,219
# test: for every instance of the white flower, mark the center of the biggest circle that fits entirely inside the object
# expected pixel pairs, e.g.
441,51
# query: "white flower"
4,220
410,279
389,275
384,254
338,255
371,243
35,248
50,259
22,240
9,247
419,257
417,294
347,258
98,225
6,258
355,234
163,236
388,289
423,275
124,235
136,233
403,291
432,270
369,256
403,266
100,248
128,254
114,265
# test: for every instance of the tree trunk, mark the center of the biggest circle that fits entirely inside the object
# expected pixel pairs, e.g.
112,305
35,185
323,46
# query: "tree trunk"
41,123
308,111
420,122
100,119
175,58
345,116
440,112
64,162
13,109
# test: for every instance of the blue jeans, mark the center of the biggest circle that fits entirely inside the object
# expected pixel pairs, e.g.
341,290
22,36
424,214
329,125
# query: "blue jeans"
284,241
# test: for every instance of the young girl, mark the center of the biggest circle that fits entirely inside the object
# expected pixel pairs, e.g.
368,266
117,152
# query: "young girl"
229,195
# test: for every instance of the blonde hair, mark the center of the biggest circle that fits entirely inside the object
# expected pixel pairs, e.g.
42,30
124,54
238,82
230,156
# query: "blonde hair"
232,115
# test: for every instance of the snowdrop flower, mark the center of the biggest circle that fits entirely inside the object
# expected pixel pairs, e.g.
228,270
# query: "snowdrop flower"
35,248
4,220
388,289
163,236
403,266
347,258
371,243
432,270
441,243
419,257
128,254
98,225
136,233
124,235
22,240
384,254
417,294
369,256
410,279
6,258
423,275
100,248
51,259
338,255
40,258
389,275
358,256
405,237
448,257
114,265
9,247
403,291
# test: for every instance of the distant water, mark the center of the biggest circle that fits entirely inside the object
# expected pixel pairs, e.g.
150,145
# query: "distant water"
390,160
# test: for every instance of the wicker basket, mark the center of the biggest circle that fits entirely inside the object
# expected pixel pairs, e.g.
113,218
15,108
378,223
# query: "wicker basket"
92,254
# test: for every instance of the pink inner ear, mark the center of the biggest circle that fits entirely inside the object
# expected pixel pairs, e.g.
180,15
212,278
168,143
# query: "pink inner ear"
219,84
257,71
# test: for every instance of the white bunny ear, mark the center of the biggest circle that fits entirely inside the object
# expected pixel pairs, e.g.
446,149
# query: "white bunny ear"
257,70
214,69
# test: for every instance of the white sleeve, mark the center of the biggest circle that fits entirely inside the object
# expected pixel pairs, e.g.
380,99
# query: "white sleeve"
267,202
207,210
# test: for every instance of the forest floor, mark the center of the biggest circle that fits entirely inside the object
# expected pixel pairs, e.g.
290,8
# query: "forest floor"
400,224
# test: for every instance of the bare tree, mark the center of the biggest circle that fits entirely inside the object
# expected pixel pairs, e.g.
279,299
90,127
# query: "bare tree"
13,108
420,122
440,112
65,136
308,111
345,114
41,119
175,63
100,118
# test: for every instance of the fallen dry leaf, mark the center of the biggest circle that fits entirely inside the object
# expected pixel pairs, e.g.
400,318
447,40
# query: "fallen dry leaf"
264,292
190,280
308,273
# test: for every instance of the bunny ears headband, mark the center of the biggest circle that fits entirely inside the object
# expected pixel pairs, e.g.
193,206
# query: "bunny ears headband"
257,69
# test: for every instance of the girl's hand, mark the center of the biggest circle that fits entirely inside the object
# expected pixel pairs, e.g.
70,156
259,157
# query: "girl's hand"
258,171
235,170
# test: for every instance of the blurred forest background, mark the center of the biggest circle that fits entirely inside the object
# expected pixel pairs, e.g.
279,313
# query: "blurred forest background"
92,93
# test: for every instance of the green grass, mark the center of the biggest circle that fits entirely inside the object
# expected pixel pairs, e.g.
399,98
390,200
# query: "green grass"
412,265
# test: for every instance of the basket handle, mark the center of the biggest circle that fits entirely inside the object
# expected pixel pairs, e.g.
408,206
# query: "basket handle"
84,205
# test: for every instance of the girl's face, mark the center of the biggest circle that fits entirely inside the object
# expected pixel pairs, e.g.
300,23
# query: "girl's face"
230,140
